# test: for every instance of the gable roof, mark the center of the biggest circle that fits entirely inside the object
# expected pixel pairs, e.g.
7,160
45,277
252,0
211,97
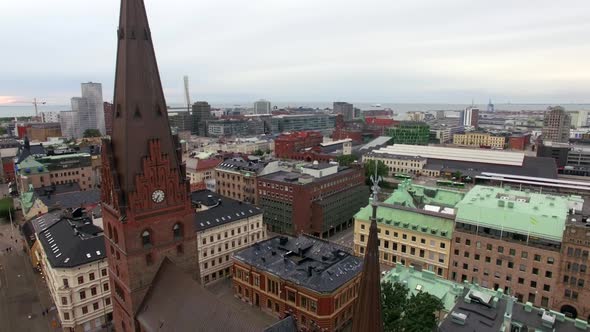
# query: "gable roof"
175,302
220,210
72,199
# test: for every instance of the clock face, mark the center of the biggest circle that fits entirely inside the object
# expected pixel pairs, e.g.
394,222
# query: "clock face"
158,196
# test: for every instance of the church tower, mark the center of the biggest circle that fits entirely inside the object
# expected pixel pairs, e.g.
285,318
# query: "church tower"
146,205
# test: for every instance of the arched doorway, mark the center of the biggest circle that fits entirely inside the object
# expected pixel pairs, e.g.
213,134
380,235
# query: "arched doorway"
569,311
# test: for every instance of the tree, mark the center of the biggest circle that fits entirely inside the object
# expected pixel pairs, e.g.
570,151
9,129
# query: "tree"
401,313
382,170
92,133
345,160
457,175
259,153
2,131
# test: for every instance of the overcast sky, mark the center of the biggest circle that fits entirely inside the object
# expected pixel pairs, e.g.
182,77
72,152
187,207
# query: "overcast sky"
448,51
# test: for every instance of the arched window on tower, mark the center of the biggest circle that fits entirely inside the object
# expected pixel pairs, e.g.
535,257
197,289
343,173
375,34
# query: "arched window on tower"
146,239
110,230
116,235
177,231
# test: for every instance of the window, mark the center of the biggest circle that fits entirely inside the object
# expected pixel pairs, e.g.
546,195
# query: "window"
107,301
179,249
103,272
500,249
80,280
405,236
512,252
524,254
105,287
362,238
548,274
499,262
413,239
64,300
537,258
550,260
93,291
546,288
66,316
177,231
442,245
468,242
146,239
95,306
91,276
533,284
535,271
84,310
66,283
522,267
149,260
521,280
489,246
82,295
290,296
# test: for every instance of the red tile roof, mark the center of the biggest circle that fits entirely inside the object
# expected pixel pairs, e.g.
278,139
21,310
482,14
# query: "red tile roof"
203,164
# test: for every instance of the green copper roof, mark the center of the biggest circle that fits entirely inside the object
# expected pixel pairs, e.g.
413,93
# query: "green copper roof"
515,211
409,219
27,199
411,195
31,166
447,291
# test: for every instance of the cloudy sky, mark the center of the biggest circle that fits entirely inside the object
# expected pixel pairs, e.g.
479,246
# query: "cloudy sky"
449,51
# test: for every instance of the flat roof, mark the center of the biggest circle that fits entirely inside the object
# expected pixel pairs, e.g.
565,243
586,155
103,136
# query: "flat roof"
515,211
479,155
309,262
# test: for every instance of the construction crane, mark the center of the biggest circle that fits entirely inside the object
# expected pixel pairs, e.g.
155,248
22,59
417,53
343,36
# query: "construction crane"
35,102
186,94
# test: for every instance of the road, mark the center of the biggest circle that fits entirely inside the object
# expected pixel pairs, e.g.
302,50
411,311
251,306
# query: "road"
344,238
22,291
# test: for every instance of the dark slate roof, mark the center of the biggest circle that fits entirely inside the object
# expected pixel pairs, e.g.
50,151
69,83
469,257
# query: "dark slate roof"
240,164
46,220
72,242
176,302
532,166
480,318
286,324
312,263
73,199
57,189
220,210
533,319
23,153
320,166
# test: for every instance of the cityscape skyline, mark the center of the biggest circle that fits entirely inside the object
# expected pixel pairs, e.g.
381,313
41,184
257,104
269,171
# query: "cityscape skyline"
452,54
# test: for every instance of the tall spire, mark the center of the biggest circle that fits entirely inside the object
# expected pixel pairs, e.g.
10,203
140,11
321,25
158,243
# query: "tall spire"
140,114
367,314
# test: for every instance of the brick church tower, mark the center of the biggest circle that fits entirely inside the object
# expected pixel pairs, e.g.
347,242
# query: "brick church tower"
146,203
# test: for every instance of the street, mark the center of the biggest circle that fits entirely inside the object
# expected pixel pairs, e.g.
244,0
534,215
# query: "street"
22,290
344,238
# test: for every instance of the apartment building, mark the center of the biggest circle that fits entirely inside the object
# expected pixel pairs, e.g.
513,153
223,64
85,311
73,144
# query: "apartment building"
56,169
223,227
236,178
71,253
415,227
316,284
510,240
480,140
200,170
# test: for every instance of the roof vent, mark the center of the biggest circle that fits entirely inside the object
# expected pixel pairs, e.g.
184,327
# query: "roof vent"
458,318
528,307
548,319
510,204
501,203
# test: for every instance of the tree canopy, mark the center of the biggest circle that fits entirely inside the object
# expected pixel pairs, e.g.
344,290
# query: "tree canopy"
92,133
382,170
403,313
345,160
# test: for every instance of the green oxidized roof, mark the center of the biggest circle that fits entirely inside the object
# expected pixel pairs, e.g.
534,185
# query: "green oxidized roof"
31,166
447,291
409,220
27,199
516,211
411,195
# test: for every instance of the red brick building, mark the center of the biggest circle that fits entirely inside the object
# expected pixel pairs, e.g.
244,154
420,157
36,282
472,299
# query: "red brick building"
287,145
321,200
317,286
108,117
519,142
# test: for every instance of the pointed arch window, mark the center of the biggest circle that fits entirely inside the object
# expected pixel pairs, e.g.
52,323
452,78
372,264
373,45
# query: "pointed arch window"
146,239
177,231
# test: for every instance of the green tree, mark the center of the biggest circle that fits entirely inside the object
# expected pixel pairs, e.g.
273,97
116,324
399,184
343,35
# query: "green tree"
382,170
92,133
400,313
345,160
2,131
457,175
5,206
259,153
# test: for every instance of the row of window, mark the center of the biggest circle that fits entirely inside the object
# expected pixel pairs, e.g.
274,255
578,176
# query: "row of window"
82,293
501,250
385,258
84,309
91,276
413,238
146,235
577,252
510,265
233,231
216,275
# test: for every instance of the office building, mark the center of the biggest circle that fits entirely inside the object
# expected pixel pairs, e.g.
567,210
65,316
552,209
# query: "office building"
201,113
262,107
289,143
317,282
49,116
324,123
344,108
556,125
72,255
320,200
480,140
224,226
415,227
236,178
69,124
511,240
410,132
471,117
180,120
109,113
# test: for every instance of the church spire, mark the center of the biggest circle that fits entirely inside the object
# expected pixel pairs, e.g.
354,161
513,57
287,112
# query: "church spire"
367,314
140,115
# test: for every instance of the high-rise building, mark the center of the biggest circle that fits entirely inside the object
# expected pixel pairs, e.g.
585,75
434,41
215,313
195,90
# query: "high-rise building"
201,113
556,125
491,107
69,123
49,116
92,92
262,107
471,117
344,108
